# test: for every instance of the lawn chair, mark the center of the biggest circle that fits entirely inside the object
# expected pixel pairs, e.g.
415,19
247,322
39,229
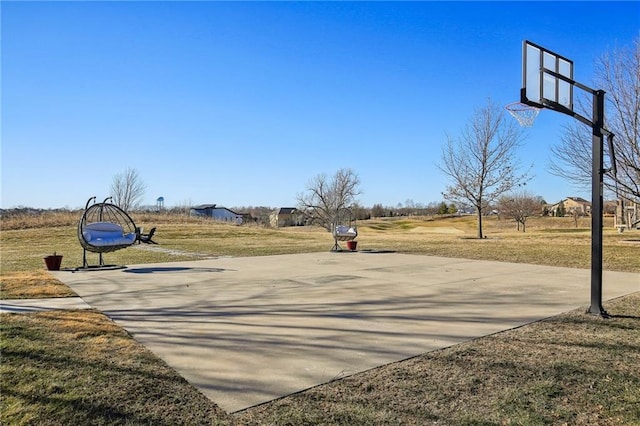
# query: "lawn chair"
146,238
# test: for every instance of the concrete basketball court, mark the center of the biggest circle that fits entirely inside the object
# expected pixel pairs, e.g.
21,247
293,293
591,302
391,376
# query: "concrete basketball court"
248,330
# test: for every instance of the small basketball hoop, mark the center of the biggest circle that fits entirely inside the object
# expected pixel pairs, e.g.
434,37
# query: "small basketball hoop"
525,114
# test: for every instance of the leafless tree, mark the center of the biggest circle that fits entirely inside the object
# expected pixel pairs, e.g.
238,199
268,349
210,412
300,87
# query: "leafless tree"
520,206
481,162
127,189
325,197
618,74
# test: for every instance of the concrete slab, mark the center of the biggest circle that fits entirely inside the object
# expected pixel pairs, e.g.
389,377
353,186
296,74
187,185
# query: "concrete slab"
248,330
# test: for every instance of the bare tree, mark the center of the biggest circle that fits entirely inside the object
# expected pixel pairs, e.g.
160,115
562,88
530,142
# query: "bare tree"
325,197
127,189
482,163
520,206
617,73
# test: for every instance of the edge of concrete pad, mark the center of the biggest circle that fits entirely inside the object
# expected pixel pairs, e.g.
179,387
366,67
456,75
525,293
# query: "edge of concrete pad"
22,306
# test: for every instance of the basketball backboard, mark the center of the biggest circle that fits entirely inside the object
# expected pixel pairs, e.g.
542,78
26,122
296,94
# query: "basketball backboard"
547,78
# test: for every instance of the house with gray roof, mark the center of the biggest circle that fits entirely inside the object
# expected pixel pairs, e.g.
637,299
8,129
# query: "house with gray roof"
221,214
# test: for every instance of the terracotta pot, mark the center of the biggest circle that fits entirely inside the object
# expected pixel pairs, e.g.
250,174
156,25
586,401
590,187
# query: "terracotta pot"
351,245
53,262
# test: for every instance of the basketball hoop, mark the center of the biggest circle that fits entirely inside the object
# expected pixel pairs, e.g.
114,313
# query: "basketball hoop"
525,114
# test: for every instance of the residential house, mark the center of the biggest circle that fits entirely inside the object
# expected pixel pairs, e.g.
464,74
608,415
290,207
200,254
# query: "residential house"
286,216
221,214
572,204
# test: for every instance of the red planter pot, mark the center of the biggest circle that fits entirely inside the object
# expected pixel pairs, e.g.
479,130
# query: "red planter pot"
53,262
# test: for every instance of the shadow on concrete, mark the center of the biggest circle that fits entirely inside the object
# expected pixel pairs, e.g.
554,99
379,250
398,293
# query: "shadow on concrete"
157,269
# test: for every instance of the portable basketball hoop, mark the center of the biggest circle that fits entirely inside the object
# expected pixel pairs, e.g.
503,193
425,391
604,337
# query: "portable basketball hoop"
547,82
525,114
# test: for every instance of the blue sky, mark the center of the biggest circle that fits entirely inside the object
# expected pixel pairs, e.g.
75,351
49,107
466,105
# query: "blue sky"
241,103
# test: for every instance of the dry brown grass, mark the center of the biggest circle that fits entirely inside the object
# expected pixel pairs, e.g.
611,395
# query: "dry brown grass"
44,219
548,241
80,368
34,284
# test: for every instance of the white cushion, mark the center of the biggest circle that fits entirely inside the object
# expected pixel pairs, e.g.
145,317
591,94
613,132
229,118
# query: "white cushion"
345,230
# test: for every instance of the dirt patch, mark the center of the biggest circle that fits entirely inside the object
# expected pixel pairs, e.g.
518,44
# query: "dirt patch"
631,241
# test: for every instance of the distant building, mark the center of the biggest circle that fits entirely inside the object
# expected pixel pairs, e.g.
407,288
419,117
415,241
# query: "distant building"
247,218
571,204
286,216
627,215
221,214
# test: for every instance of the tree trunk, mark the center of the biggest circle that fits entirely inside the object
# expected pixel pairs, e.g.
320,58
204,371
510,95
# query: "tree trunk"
479,222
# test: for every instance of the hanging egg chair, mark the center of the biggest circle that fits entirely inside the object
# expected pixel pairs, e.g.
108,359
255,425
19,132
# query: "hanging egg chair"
104,228
344,228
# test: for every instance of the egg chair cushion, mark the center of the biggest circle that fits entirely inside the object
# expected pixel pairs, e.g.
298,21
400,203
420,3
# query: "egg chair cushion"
100,234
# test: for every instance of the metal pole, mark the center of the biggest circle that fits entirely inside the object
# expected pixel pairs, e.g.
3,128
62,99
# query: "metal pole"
596,205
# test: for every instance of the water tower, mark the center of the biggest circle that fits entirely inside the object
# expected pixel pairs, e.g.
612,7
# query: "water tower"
160,204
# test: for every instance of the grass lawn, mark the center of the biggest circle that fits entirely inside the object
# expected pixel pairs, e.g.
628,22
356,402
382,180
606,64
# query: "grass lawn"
78,367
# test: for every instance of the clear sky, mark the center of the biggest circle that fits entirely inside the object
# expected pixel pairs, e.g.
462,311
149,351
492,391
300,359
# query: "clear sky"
241,103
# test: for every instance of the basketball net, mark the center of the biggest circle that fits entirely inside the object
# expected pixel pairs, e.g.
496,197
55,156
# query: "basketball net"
525,114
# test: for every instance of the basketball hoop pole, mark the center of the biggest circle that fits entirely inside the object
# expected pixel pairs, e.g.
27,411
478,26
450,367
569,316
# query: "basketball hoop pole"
597,181
597,184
